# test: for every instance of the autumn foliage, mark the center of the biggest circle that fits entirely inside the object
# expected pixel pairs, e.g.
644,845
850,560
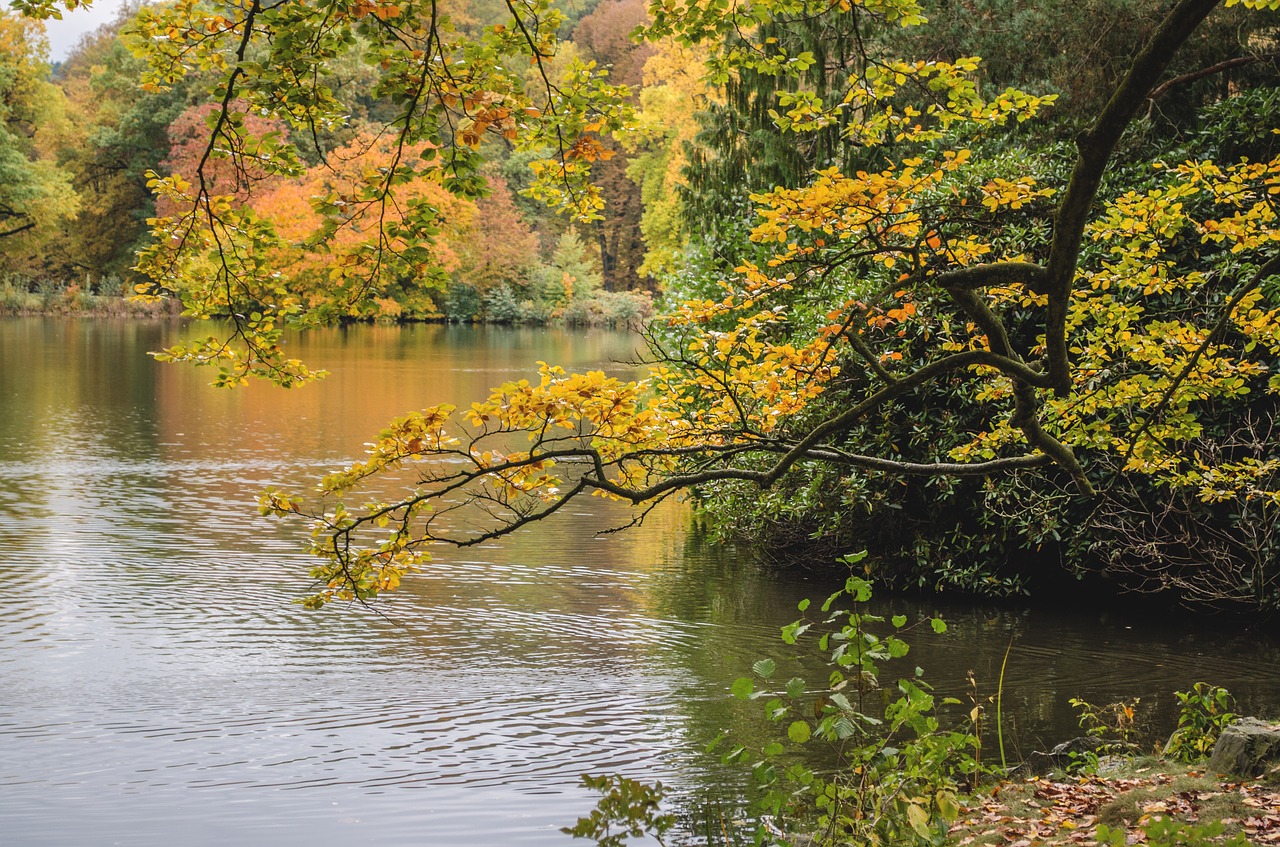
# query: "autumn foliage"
934,292
340,246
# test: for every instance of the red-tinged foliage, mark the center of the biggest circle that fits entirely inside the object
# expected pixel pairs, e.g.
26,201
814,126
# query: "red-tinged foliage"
606,33
334,230
500,247
236,175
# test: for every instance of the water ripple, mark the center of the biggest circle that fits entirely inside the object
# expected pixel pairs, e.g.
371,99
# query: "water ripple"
159,686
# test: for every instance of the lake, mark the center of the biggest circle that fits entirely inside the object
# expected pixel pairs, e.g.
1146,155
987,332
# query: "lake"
159,687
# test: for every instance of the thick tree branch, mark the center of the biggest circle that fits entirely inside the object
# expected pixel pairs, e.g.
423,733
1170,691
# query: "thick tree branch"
803,448
990,323
767,476
1095,148
1025,417
1026,403
875,463
998,273
868,355
23,228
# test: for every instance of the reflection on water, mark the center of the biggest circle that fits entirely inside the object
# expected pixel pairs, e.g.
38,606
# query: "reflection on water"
159,687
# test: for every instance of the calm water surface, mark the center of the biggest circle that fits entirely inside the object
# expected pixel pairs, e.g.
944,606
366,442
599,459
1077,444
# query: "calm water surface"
157,687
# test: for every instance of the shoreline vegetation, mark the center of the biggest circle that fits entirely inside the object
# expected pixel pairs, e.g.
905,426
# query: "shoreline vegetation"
859,759
1144,800
1109,800
107,296
1141,800
101,297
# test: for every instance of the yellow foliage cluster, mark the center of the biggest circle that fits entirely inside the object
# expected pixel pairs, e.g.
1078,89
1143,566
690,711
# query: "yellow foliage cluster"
1130,362
955,100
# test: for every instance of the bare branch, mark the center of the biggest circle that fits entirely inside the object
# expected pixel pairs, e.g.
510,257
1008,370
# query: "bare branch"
23,228
1238,62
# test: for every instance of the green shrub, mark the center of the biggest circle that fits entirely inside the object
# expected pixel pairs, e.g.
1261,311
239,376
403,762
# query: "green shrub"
1205,712
891,772
849,763
502,305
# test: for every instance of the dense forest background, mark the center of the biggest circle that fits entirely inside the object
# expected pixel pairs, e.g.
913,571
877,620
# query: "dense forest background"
81,135
683,186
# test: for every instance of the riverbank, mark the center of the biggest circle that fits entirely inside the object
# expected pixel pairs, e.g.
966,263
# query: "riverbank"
20,301
1130,797
1150,800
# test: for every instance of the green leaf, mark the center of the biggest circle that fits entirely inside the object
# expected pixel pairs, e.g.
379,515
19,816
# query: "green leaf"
899,621
795,687
743,687
859,588
765,773
799,732
919,820
803,604
939,625
764,668
948,808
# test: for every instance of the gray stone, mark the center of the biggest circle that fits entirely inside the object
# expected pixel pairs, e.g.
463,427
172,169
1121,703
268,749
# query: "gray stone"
1248,747
1062,756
